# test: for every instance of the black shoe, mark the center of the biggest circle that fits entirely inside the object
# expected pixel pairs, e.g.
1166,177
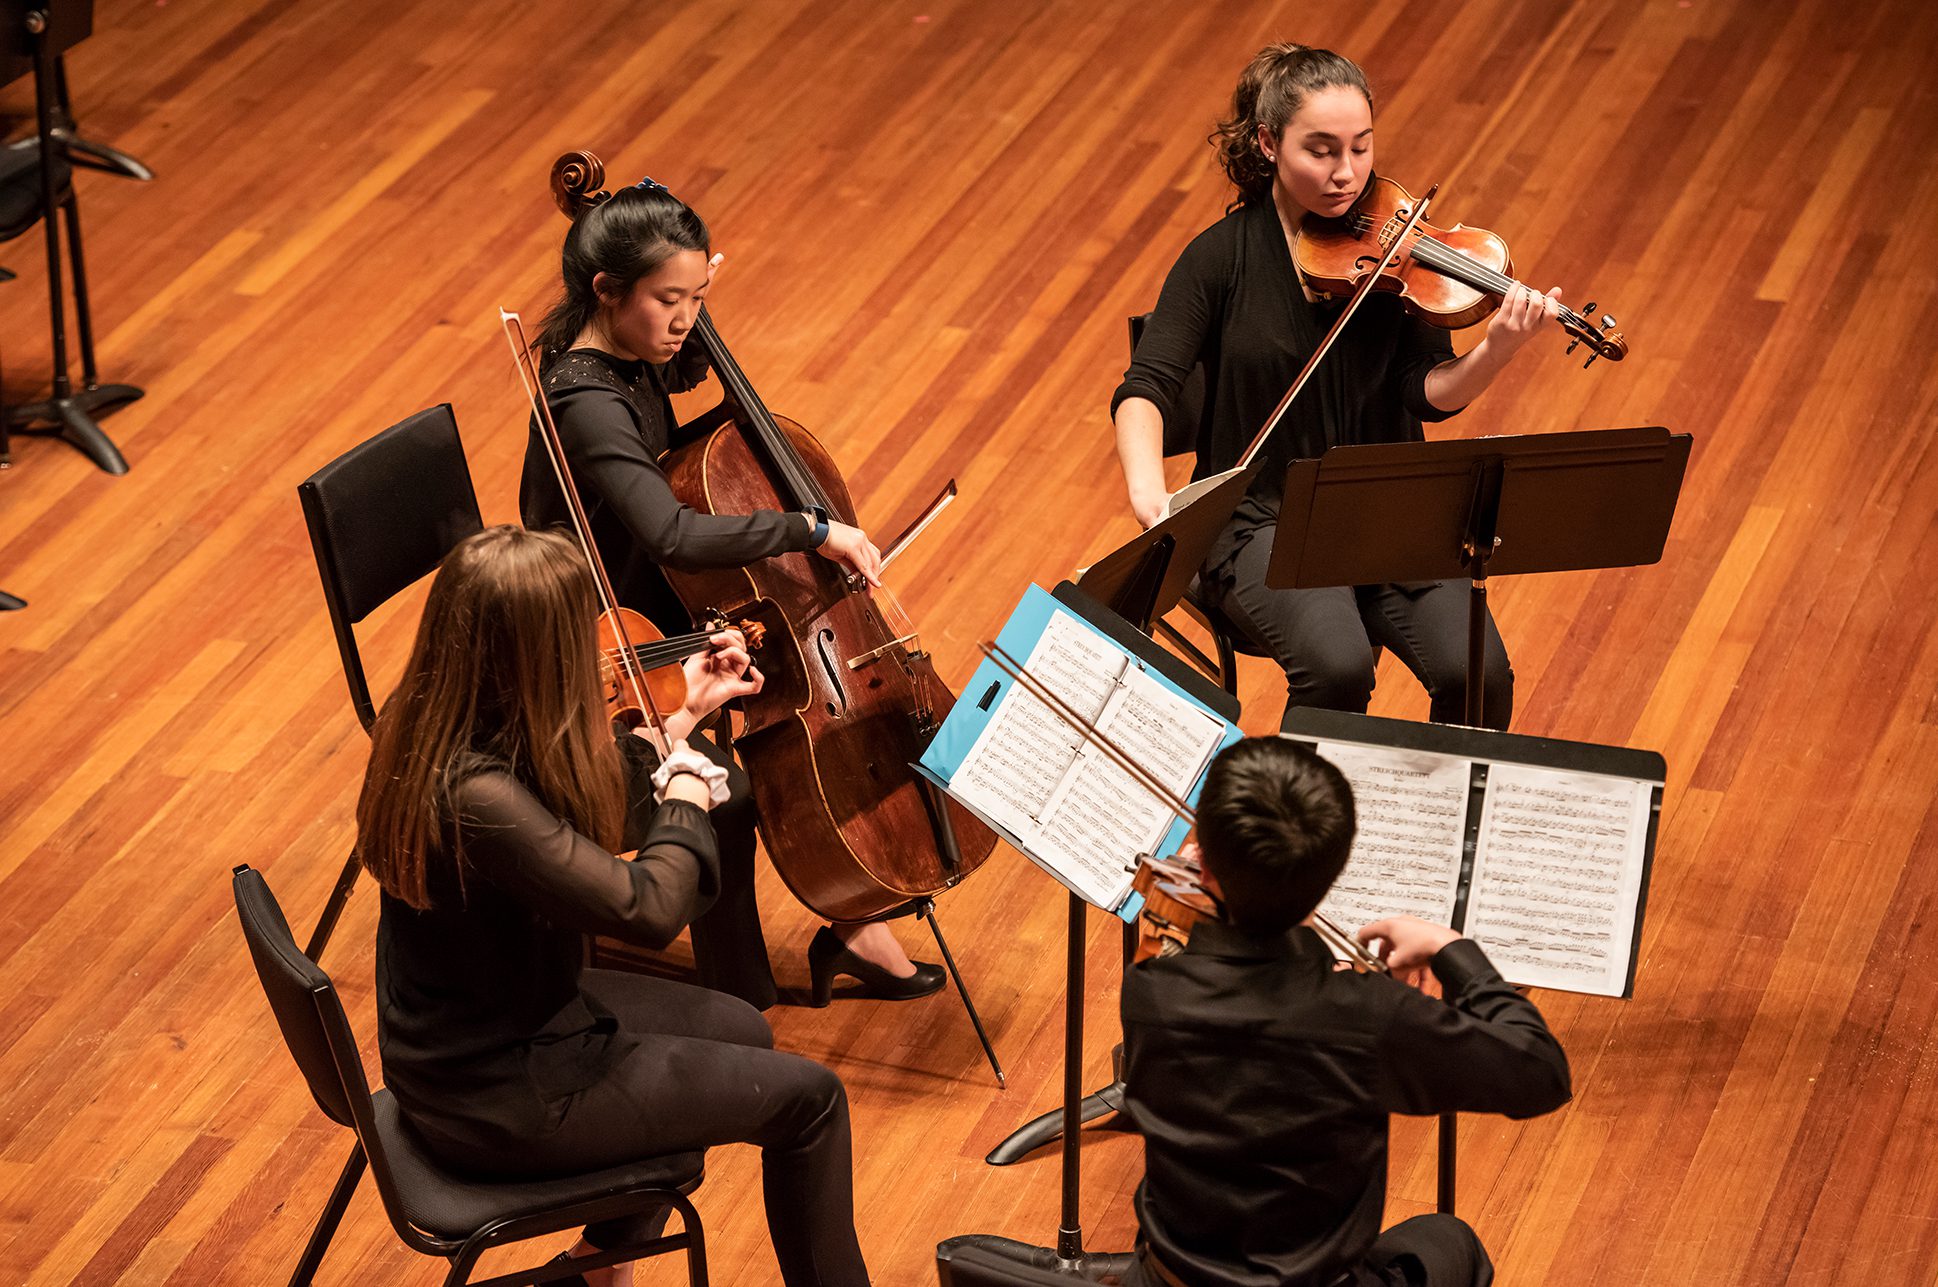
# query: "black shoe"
829,956
570,1280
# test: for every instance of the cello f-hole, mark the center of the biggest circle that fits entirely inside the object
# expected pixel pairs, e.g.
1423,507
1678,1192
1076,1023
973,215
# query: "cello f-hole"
823,638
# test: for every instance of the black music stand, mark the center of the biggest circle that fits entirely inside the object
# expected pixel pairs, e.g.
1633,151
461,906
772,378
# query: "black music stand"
1553,502
1140,581
1068,1257
38,35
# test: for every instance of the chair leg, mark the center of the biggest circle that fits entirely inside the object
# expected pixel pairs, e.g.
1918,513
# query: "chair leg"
346,1185
326,923
926,910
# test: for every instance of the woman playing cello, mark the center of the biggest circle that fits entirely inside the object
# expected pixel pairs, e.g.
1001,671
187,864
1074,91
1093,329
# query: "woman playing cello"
636,270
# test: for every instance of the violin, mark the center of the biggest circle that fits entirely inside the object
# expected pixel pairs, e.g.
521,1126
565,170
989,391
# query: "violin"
656,657
851,698
639,669
1447,277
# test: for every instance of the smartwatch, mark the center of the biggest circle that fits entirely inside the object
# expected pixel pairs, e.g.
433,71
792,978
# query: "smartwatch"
820,534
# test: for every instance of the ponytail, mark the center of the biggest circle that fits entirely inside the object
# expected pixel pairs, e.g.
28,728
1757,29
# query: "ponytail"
1272,89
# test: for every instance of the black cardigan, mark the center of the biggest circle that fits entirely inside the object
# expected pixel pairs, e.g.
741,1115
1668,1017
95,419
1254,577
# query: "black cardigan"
1233,302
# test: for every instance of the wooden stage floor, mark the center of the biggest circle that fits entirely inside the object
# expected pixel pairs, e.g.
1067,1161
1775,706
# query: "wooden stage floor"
936,215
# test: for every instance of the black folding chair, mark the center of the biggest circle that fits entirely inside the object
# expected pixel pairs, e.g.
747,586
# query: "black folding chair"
433,1211
382,516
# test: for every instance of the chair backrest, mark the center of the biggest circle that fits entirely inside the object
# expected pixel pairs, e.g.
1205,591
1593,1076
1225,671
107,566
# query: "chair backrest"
381,516
318,1035
305,1002
1181,428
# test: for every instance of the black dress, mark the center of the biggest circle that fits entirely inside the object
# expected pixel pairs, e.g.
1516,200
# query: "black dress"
511,1061
616,421
1234,304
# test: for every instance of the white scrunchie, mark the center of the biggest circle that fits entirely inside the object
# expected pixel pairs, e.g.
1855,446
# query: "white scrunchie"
690,761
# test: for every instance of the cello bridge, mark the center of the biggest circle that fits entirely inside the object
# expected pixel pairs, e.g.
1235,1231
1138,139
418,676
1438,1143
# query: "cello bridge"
874,655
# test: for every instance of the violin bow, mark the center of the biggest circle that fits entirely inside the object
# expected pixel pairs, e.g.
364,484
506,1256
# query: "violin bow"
1339,324
1334,937
629,661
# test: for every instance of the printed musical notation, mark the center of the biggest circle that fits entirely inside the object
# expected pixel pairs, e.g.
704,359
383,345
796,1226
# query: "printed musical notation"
1558,869
1412,813
1074,809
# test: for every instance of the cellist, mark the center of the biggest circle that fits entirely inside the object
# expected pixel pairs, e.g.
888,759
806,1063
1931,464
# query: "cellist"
1299,141
636,267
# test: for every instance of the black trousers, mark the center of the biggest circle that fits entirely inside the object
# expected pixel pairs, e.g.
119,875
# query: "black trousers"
1324,640
729,949
694,1069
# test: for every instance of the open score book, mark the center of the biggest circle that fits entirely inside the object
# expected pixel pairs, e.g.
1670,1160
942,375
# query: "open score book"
1022,767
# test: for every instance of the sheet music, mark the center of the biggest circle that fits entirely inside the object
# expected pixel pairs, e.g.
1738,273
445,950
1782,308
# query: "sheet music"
1190,492
1557,875
1412,812
1069,804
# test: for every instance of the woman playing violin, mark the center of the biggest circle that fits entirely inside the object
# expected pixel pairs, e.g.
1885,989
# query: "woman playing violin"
1299,144
495,798
636,270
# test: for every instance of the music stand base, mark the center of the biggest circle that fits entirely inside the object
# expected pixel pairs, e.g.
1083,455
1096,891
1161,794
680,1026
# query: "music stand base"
1086,1266
72,416
1034,1134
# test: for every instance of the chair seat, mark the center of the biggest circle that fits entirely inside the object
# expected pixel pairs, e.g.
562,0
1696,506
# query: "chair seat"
446,1206
20,185
1218,623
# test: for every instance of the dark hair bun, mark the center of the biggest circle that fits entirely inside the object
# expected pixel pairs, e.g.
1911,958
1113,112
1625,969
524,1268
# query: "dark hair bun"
576,177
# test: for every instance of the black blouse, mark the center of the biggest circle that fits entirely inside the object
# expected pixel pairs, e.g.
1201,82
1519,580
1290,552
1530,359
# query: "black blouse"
478,997
1233,303
616,420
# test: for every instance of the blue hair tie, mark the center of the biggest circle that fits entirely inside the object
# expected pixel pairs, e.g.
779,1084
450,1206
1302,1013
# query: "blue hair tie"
650,184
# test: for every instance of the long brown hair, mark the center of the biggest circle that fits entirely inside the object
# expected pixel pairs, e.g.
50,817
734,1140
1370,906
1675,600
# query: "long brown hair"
504,674
1271,90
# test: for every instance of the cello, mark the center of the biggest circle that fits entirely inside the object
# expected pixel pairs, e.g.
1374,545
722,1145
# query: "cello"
851,698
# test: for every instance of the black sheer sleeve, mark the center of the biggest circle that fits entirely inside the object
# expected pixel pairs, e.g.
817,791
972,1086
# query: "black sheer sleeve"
1484,1049
513,840
1421,348
608,456
1183,327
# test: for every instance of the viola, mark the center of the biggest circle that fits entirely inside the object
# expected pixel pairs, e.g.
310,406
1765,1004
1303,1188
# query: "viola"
1447,277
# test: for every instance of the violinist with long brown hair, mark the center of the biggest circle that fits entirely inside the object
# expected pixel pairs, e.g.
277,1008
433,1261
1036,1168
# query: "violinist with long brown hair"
636,268
1299,144
496,797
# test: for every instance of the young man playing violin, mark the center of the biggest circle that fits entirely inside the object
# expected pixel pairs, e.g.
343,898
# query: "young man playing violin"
1261,1073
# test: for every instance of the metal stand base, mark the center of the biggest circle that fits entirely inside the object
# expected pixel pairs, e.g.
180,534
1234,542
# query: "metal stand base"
1037,1132
1086,1266
71,416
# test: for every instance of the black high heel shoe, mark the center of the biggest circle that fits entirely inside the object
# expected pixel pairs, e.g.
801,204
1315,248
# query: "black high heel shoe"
829,956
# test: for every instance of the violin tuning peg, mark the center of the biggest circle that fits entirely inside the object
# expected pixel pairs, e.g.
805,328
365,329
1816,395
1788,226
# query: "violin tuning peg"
1608,322
1574,344
1593,354
1588,309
